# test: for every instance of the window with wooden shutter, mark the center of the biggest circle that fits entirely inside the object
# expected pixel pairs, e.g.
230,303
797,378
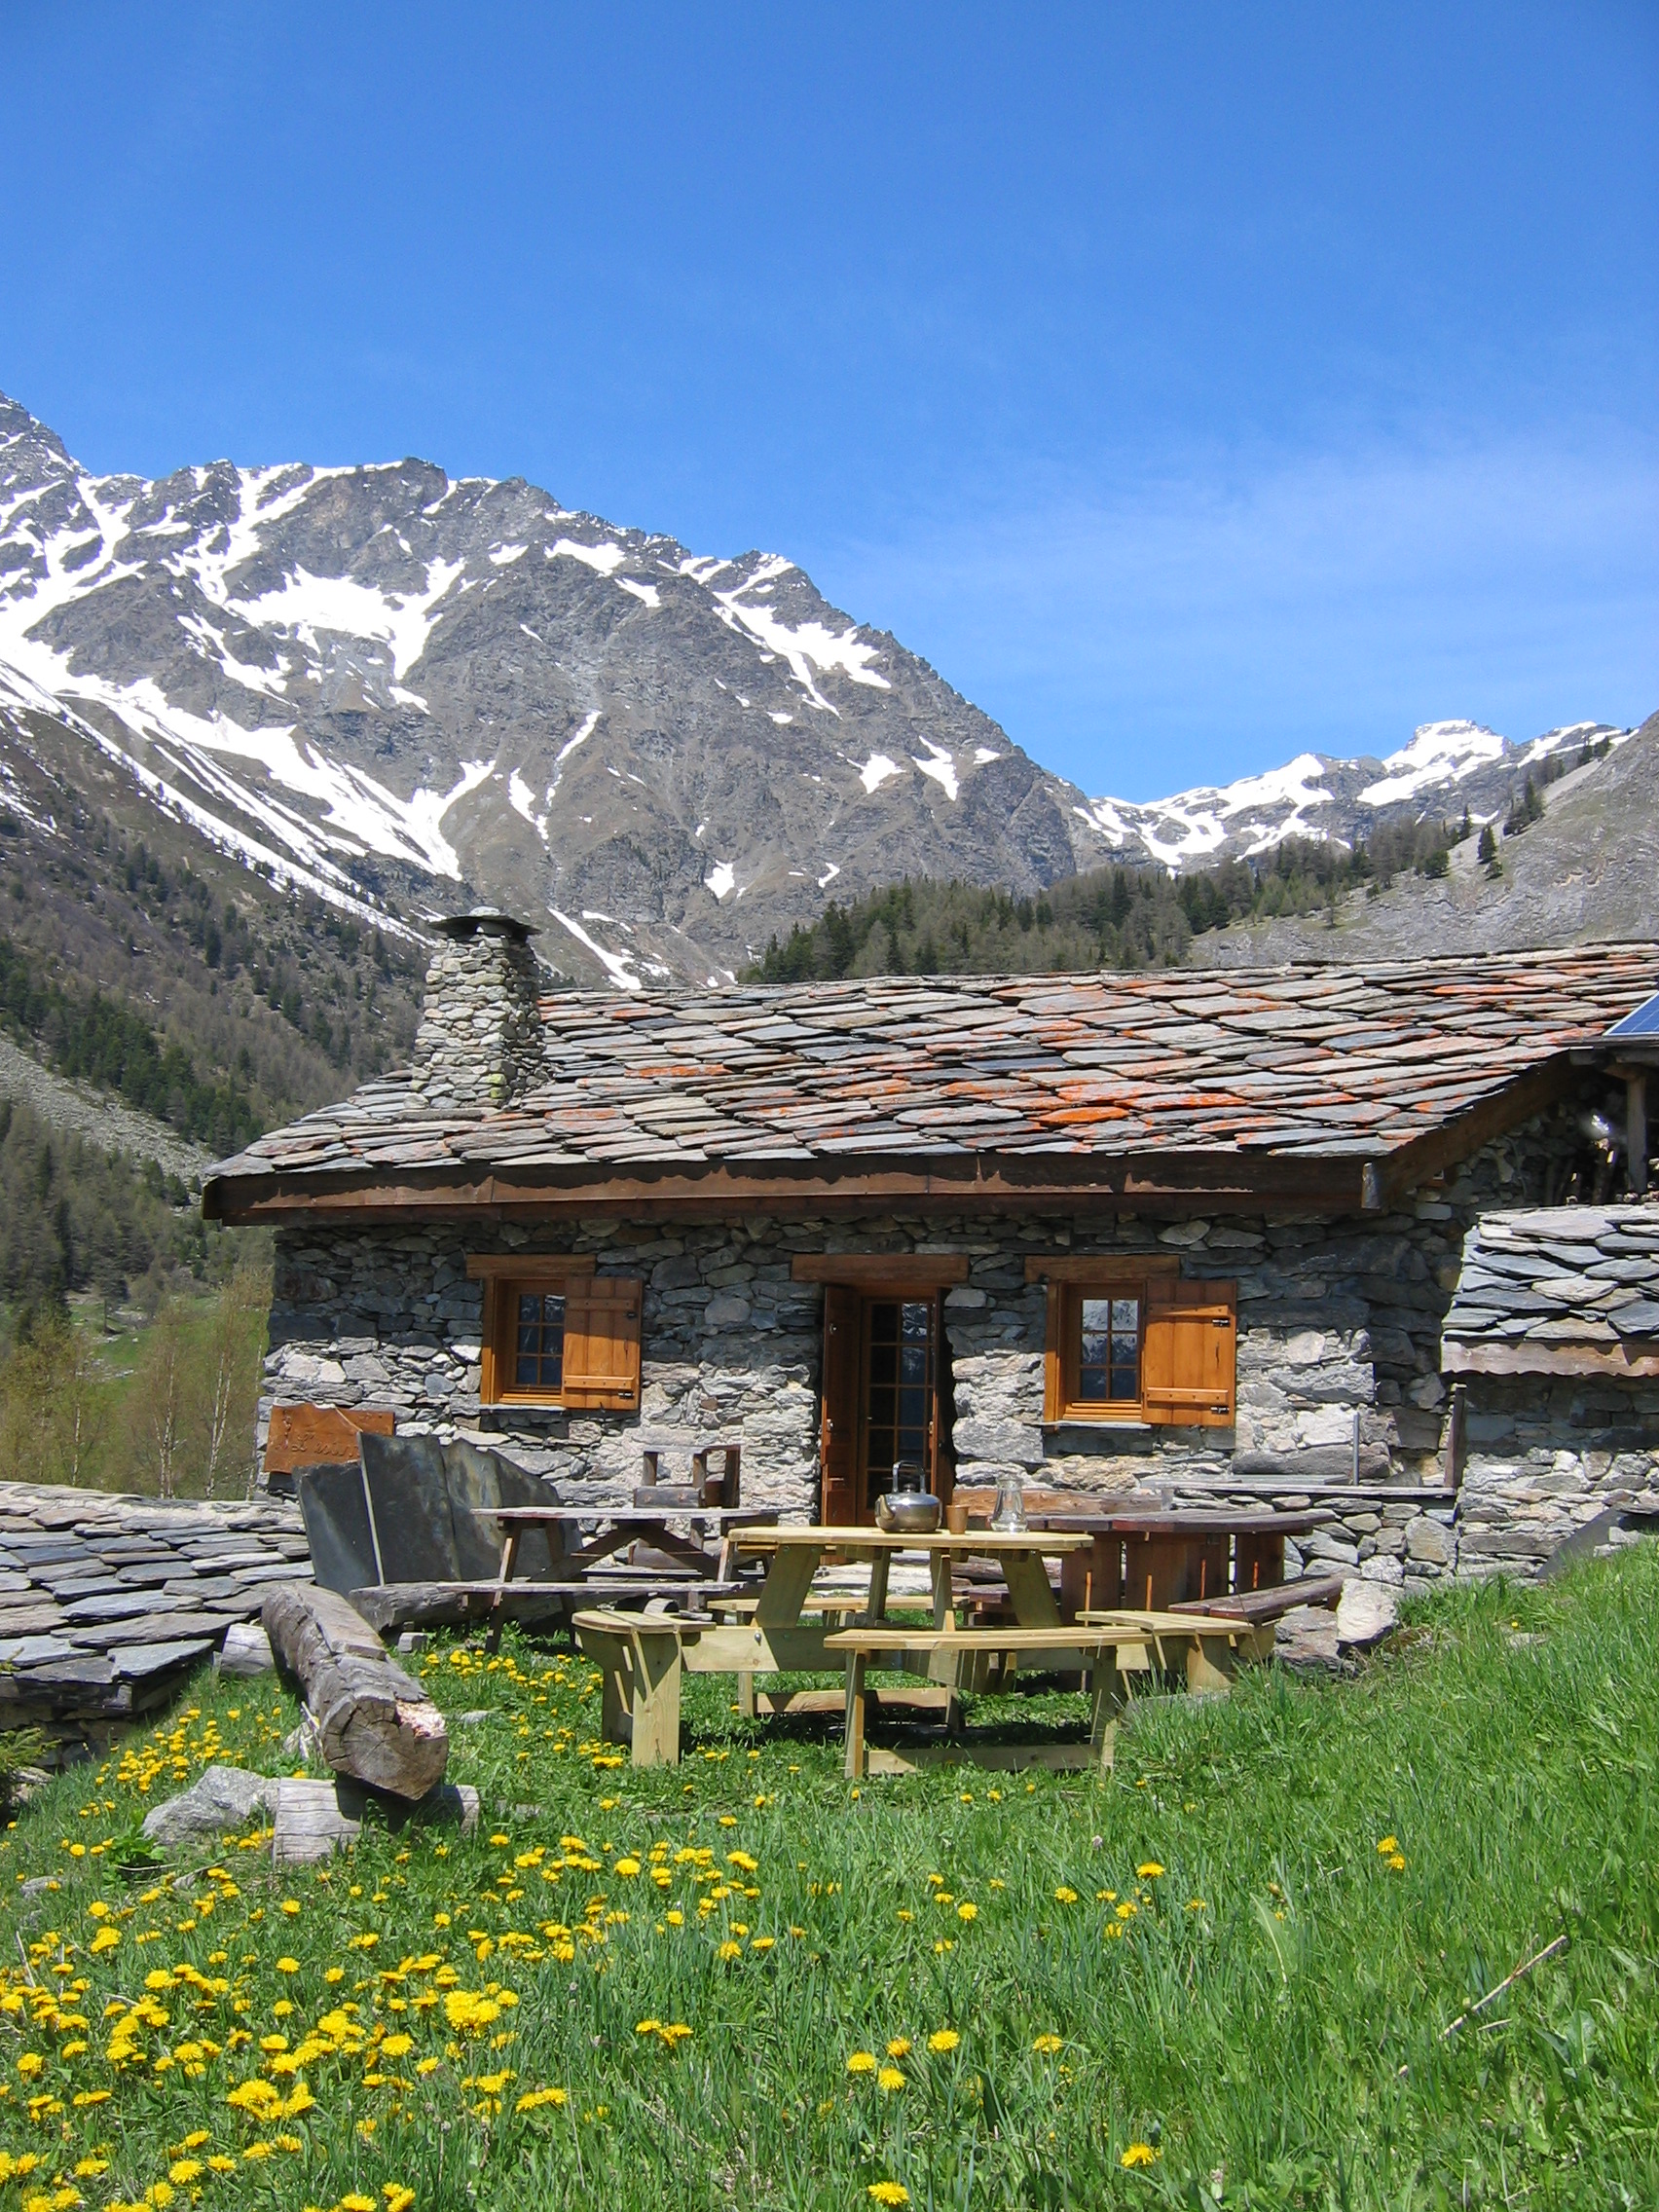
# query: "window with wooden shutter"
555,1334
1128,1341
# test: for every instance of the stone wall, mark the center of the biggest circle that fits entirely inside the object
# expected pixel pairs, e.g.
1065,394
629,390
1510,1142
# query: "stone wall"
1546,1454
1338,1323
1338,1346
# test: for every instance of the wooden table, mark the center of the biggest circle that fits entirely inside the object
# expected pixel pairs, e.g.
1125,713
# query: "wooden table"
622,1525
1154,1560
642,1655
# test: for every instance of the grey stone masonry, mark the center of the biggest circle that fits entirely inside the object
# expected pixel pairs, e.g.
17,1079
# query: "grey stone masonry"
1552,1278
1339,1343
480,1038
1554,1334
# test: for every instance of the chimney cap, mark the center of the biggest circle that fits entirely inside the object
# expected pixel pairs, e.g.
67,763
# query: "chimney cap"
486,921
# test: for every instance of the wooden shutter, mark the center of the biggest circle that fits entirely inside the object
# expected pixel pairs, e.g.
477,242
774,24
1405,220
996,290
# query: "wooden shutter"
1188,1354
838,1419
601,1344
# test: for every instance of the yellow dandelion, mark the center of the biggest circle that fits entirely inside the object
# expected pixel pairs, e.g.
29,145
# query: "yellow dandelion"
1140,2155
890,2079
1065,1895
1149,1873
967,1910
942,2040
860,2062
898,2047
889,2192
1049,2045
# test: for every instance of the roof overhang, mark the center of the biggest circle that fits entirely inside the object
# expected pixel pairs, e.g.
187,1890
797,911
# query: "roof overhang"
1241,1179
986,1183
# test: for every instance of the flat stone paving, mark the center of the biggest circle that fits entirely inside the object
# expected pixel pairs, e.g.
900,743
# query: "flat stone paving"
107,1598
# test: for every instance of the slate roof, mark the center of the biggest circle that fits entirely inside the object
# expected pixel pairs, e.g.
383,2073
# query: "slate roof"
106,1600
1306,1060
1557,1281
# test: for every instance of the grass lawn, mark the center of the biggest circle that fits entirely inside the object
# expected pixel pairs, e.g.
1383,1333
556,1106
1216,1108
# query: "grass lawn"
1219,1976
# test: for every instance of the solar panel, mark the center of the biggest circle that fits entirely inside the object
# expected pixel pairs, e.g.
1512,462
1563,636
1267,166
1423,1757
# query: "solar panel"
1644,1022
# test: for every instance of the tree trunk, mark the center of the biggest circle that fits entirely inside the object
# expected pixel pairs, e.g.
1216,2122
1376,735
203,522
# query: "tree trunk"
374,1723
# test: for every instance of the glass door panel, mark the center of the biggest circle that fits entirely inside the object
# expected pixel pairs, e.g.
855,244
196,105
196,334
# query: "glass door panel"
899,1391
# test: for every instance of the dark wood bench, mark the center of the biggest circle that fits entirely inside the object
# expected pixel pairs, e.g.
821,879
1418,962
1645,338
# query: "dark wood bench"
1269,1604
450,1605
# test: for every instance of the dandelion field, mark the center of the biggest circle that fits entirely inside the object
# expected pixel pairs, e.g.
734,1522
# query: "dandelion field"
1219,1976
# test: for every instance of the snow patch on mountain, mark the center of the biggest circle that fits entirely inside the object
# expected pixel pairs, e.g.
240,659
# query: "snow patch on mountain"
618,966
808,646
305,604
605,559
940,766
1439,754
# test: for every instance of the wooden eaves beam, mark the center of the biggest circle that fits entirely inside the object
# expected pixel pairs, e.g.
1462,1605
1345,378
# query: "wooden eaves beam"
1171,1183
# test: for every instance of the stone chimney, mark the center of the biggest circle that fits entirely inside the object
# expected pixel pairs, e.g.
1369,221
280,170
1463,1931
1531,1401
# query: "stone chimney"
479,1043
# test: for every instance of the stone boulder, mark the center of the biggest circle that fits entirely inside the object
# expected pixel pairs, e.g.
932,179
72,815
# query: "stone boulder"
1366,1612
222,1798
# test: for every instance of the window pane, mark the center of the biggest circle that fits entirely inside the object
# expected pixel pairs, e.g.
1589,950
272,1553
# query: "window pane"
540,1360
1108,1368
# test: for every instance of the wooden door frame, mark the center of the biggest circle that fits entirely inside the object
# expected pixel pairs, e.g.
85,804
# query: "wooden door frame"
940,1459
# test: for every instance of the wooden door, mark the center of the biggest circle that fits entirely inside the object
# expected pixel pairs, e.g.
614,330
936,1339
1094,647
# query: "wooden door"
838,1416
886,1396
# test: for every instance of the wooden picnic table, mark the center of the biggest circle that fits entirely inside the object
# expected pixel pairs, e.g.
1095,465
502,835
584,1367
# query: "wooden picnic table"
1153,1558
620,1525
782,1630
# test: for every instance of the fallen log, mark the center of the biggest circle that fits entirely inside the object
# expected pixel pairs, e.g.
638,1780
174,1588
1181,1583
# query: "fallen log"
373,1722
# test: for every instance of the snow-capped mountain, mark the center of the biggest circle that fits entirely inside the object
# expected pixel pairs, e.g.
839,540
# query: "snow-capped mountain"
396,690
1447,766
380,684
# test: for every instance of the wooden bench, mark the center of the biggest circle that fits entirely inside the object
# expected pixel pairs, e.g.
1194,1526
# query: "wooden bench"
1068,1648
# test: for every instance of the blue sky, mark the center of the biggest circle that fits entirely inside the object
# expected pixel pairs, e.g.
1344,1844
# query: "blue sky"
1190,385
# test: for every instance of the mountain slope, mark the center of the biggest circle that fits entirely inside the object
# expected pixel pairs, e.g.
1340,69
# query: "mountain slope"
1446,767
385,685
370,692
1589,870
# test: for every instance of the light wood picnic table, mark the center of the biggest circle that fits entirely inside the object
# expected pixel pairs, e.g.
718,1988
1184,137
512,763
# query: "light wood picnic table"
783,1630
796,1554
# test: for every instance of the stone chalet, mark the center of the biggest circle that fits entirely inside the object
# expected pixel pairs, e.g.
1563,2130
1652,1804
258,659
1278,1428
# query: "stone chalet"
1188,1230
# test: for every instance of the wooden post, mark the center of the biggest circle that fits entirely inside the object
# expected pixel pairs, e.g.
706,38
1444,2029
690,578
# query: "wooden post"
1108,1699
1636,1133
855,1722
509,1568
656,1669
1452,1471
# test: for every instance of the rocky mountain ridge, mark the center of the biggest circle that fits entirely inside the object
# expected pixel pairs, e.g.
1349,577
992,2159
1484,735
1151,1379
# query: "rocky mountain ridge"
390,692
